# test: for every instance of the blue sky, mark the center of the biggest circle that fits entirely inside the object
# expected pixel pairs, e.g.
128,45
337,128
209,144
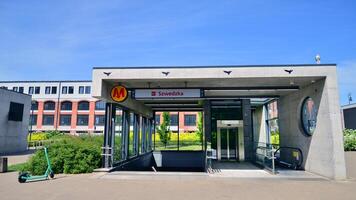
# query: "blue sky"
55,40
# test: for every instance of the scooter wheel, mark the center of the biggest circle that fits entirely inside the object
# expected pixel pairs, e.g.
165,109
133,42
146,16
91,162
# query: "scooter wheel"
51,174
22,177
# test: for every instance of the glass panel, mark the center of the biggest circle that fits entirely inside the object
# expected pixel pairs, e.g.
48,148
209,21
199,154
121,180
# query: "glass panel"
167,135
65,120
82,120
223,136
83,105
192,137
233,143
48,120
118,136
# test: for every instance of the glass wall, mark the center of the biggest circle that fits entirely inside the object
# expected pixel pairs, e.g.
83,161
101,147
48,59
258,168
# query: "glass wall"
178,131
118,135
272,122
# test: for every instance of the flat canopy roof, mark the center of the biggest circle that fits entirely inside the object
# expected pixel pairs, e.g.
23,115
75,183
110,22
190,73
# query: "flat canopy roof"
216,82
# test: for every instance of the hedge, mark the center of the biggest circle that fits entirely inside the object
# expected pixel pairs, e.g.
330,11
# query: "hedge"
68,154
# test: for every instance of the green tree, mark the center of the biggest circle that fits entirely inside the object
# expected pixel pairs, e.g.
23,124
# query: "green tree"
163,129
200,126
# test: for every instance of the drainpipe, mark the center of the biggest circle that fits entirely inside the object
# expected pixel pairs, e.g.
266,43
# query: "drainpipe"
58,106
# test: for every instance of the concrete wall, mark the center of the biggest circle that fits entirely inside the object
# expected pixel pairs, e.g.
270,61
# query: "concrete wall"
13,134
350,157
247,129
259,125
323,152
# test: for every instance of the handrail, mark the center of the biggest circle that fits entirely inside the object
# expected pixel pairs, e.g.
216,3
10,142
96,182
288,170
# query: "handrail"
265,154
297,155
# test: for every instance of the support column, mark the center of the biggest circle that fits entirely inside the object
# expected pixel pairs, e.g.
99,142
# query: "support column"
207,129
152,129
248,137
125,134
143,139
109,134
136,127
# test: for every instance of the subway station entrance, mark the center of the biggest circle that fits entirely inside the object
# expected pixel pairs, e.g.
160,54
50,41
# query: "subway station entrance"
267,116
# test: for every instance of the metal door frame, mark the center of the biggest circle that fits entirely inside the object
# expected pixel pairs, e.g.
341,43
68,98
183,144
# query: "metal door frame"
228,143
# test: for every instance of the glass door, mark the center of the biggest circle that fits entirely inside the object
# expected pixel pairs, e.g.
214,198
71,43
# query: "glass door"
232,143
228,144
224,144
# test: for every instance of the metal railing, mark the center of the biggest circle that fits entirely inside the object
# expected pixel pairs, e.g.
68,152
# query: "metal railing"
289,157
37,144
265,156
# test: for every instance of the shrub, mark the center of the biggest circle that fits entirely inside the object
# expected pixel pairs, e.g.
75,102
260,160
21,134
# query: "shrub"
350,140
37,136
68,154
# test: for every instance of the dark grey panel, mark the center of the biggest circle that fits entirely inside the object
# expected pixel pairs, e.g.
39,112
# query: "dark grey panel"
350,118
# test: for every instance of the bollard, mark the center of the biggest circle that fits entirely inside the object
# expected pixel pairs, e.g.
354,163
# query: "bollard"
3,164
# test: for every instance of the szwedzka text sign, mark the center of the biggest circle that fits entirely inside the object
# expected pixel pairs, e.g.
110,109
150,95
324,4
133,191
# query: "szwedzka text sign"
166,93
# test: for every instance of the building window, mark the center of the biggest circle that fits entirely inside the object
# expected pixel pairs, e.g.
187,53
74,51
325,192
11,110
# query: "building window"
33,120
82,120
48,120
66,105
99,120
83,105
81,90
30,90
21,89
49,105
65,120
100,105
70,89
190,120
54,90
174,120
87,89
37,90
15,89
34,105
48,90
64,90
158,119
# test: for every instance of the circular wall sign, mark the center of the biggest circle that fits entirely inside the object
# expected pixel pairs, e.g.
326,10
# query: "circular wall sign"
309,115
119,93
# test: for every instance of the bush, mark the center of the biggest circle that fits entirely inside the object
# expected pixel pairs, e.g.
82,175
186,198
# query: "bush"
68,154
350,140
37,136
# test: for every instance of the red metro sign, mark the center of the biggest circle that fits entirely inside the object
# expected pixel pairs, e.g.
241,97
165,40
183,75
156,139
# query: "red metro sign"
119,93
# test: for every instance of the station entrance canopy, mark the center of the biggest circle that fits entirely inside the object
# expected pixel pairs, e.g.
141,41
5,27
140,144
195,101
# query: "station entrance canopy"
199,88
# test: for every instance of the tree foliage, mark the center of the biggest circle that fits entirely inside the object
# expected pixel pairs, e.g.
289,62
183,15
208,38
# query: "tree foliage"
350,140
200,131
163,130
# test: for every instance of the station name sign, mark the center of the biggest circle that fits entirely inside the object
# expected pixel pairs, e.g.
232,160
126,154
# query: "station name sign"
166,93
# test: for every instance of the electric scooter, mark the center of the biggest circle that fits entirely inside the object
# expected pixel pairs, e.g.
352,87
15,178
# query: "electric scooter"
25,176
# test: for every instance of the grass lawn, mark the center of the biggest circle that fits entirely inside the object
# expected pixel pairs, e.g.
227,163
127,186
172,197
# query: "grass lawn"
16,167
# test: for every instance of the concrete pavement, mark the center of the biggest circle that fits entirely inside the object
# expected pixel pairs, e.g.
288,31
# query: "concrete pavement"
91,186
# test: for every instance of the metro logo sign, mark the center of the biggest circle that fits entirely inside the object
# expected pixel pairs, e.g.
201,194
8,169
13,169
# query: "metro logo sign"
167,93
119,93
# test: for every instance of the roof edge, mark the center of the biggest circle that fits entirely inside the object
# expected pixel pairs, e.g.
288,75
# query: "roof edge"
217,66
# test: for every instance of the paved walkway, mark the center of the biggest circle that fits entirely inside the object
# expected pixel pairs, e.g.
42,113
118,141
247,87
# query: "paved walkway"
20,157
93,186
